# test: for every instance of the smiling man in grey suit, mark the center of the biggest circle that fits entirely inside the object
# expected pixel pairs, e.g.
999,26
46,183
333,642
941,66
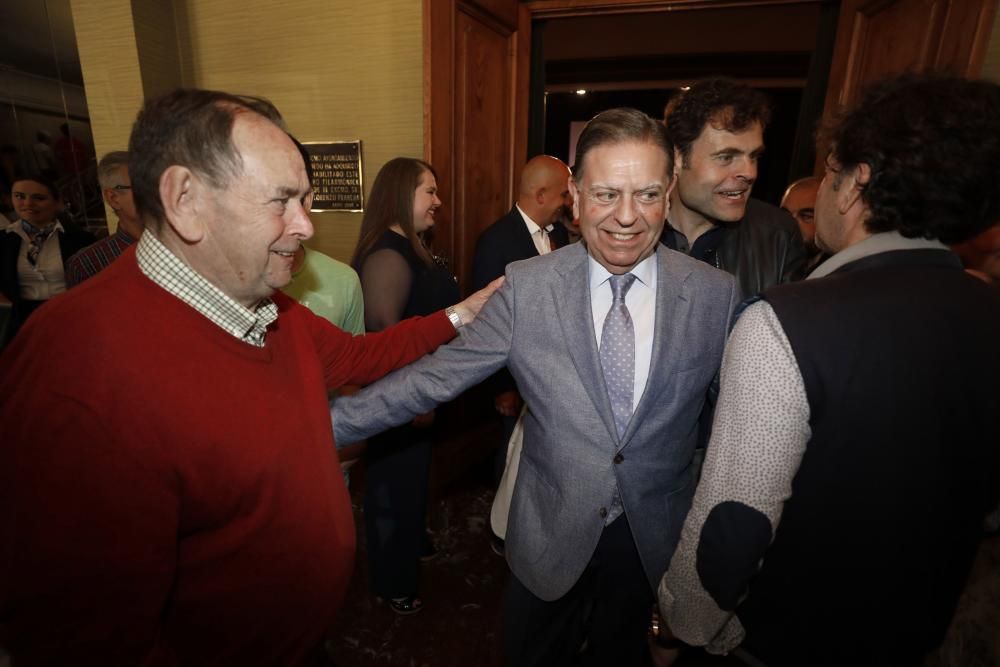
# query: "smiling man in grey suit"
613,344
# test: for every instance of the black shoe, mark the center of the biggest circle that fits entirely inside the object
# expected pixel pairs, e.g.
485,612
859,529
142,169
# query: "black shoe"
429,551
406,606
497,545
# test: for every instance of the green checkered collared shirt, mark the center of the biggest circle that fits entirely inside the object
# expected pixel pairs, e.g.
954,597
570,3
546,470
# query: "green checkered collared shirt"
168,271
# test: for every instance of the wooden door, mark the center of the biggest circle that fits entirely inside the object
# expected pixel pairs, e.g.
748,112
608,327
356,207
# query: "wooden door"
475,135
474,130
880,37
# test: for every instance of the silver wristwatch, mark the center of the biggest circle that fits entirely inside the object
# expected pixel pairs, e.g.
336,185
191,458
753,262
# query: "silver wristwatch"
456,319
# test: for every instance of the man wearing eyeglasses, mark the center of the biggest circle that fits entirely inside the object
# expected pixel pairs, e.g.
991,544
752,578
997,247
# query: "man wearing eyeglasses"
112,173
799,201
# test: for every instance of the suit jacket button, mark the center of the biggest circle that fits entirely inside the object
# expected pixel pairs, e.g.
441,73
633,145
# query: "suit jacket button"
618,458
603,512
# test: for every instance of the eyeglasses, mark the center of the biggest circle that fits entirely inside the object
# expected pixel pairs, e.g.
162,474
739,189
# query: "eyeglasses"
122,187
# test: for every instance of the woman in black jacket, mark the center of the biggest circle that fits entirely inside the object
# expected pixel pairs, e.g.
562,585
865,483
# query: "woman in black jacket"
34,249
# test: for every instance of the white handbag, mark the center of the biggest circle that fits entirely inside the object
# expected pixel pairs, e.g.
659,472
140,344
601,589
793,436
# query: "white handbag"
501,501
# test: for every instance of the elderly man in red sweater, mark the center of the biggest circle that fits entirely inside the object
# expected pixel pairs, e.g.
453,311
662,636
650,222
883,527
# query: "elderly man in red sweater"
169,486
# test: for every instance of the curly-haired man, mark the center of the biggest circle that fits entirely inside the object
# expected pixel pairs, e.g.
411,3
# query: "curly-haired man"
717,128
853,454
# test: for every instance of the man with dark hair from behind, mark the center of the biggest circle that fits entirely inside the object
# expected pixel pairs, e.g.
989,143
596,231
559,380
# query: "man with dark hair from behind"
112,174
854,451
169,487
717,128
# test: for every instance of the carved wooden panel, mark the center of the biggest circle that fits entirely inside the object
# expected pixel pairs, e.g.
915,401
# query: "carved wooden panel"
483,130
966,36
878,37
470,120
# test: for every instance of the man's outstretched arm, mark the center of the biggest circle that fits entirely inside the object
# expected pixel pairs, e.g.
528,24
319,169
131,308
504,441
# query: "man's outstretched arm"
481,348
360,360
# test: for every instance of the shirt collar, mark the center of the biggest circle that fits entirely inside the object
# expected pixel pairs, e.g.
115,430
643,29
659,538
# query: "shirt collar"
124,236
17,227
644,272
533,226
169,272
873,245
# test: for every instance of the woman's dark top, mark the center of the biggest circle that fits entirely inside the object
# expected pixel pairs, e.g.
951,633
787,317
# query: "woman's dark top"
397,284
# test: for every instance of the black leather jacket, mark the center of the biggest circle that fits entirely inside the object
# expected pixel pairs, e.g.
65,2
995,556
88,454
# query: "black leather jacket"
765,248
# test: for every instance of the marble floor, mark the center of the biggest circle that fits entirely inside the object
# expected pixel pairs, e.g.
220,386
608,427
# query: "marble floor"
461,590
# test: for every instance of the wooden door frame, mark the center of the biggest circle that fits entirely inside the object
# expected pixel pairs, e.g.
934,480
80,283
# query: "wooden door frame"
555,9
439,61
550,9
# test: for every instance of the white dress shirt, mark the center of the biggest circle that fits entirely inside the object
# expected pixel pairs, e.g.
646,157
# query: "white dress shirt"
46,278
539,234
641,303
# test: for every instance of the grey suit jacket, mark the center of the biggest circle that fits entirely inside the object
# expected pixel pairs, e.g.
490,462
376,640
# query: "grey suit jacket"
539,325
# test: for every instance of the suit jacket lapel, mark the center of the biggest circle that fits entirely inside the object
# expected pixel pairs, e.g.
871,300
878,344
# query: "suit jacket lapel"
571,295
672,305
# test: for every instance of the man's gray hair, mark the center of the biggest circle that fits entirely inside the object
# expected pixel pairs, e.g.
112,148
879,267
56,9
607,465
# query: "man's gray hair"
107,168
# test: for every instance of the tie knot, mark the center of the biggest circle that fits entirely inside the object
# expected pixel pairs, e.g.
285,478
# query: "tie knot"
620,286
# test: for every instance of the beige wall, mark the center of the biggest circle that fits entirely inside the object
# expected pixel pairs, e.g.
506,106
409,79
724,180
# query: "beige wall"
337,69
111,74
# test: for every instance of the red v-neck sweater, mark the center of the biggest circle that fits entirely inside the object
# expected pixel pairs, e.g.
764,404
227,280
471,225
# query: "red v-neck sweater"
168,493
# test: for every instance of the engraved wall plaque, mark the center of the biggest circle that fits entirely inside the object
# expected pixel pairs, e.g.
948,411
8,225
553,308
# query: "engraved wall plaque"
337,175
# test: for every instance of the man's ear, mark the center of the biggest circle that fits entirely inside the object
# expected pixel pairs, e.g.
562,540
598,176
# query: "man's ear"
678,160
110,197
857,180
575,193
666,195
673,184
540,196
181,193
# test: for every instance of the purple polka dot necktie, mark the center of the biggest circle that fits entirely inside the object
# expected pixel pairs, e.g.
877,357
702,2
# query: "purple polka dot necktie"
618,352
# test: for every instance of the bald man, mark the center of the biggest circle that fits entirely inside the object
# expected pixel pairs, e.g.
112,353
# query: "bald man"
800,202
531,227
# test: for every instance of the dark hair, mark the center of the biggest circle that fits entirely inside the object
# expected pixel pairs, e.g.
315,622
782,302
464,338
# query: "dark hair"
391,203
192,128
44,181
727,104
618,126
932,143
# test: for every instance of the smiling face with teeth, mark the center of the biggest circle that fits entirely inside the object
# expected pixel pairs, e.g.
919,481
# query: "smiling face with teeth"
715,178
621,201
